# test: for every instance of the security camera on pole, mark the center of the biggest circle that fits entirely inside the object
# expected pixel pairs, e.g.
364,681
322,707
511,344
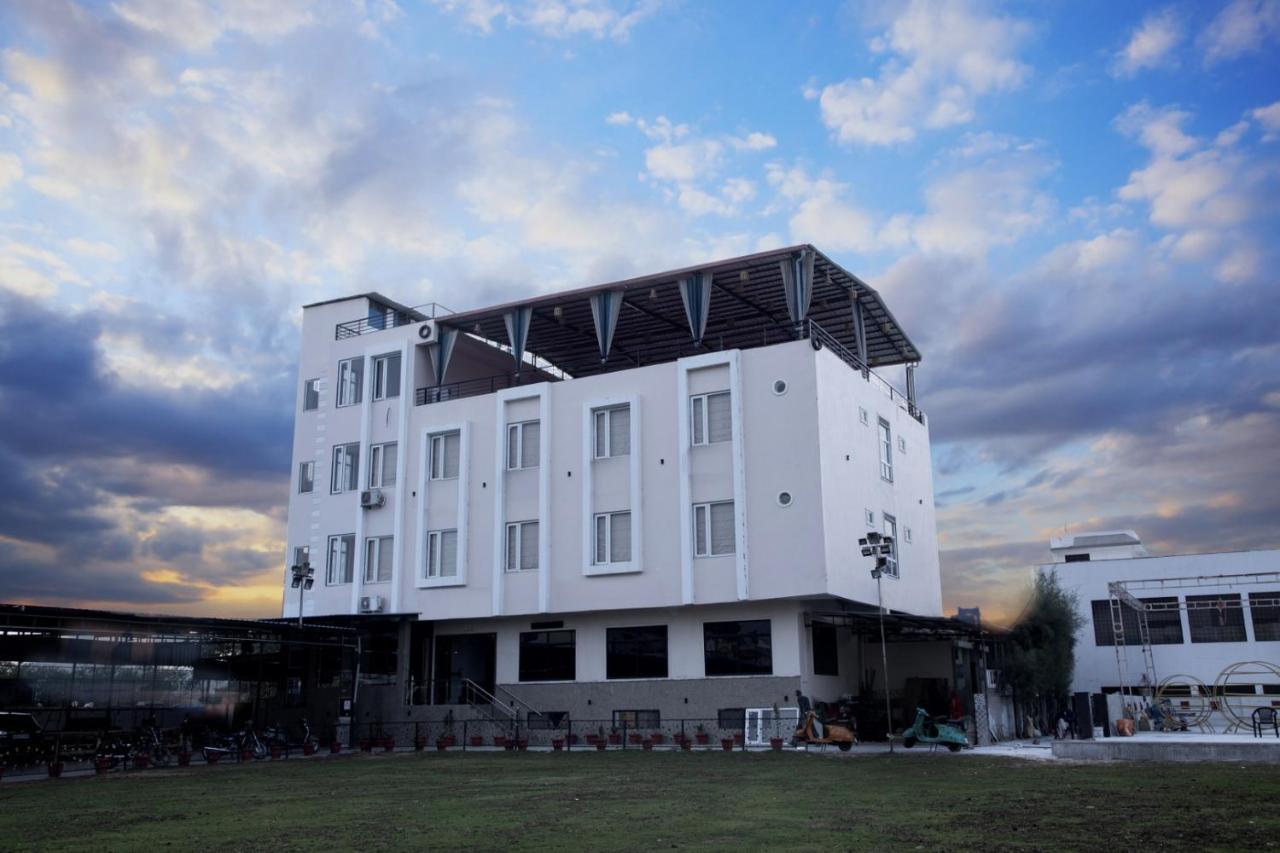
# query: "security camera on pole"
881,547
303,578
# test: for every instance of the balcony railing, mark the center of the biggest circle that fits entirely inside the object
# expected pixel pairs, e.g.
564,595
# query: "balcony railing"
388,319
821,336
474,387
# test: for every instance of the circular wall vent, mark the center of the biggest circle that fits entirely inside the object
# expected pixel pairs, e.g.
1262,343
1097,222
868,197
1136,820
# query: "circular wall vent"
784,499
779,387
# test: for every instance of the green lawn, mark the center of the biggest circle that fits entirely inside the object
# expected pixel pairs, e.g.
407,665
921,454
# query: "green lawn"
637,801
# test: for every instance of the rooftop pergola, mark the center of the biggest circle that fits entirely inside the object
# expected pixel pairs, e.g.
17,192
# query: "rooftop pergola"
750,301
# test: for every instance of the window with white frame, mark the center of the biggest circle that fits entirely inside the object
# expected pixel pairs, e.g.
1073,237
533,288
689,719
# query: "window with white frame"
442,554
386,376
886,451
891,530
613,538
522,546
445,450
713,531
350,380
522,444
342,553
310,395
864,416
382,465
378,552
612,431
711,418
346,468
306,476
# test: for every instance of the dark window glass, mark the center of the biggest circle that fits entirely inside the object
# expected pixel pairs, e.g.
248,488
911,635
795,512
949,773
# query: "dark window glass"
1164,627
826,659
636,652
738,648
1215,618
1266,617
637,719
547,656
1077,558
731,718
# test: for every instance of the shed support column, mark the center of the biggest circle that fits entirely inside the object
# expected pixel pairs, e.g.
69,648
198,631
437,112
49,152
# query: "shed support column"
860,335
911,390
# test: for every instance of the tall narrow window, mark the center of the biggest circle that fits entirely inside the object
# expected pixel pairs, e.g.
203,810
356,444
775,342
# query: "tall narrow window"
378,553
350,380
612,431
1264,609
346,468
445,449
826,649
522,444
522,546
442,554
886,451
712,418
306,476
386,376
382,465
613,537
341,558
891,529
311,395
713,529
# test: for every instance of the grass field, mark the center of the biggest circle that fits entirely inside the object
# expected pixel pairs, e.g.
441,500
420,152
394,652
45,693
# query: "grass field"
637,801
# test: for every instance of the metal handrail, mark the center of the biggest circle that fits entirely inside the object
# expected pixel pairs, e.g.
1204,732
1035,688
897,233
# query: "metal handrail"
475,387
816,333
388,320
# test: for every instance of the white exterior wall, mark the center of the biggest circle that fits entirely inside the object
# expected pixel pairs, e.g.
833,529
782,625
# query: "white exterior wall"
808,441
1096,665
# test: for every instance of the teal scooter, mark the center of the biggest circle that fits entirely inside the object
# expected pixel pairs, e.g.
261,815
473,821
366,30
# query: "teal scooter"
926,730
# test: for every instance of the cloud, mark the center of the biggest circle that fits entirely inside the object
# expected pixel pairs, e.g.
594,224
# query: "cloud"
560,19
1243,27
1269,118
1151,45
940,58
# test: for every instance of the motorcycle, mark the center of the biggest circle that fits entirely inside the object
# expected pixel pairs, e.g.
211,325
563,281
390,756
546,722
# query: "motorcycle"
245,740
281,735
936,730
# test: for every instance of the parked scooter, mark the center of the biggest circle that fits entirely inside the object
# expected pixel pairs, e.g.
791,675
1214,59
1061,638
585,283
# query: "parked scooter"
935,730
283,736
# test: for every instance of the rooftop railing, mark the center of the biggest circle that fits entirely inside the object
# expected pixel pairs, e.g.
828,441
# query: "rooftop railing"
388,319
475,387
829,341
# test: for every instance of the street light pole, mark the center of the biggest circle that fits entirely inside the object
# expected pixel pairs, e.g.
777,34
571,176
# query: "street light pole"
880,546
303,578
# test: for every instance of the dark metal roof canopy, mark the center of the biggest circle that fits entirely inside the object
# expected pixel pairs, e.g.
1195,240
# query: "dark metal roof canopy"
748,309
900,627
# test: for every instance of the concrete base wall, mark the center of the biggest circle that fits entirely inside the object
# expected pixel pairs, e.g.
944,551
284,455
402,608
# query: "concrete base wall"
1128,749
684,698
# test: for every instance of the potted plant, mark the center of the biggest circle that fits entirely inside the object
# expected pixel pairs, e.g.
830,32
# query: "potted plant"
522,744
656,737
647,743
726,743
388,744
365,745
573,740
55,769
419,743
184,758
635,738
276,751
557,744
776,743
500,741
213,757
601,744
141,761
245,755
309,747
615,737
442,743
686,744
477,740
738,738
335,747
102,766
702,736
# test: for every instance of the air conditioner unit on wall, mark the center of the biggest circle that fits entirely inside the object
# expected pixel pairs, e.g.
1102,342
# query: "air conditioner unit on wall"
372,498
370,604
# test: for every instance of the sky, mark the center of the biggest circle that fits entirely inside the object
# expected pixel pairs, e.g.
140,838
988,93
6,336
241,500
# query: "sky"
1072,208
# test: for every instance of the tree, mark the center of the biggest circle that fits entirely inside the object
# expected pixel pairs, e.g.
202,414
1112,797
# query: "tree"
1041,647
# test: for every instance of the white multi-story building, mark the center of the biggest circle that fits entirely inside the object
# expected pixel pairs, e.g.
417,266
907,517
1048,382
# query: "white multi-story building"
648,492
1206,614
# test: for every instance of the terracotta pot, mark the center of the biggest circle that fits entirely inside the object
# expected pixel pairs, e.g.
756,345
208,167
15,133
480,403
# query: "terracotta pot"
212,757
308,748
500,741
686,745
388,744
142,762
523,744
365,745
657,737
776,743
335,748
419,743
276,752
615,740
648,745
726,743
703,738
476,740
600,745
557,743
184,759
102,766
737,738
573,740
636,738
55,769
245,755
442,744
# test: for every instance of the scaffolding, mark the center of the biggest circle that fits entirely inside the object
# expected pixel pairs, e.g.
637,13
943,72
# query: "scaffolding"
1122,595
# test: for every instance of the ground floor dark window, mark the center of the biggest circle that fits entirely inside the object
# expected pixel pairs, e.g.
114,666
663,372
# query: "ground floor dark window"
731,718
826,657
1215,618
547,656
738,648
637,719
1164,627
636,652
